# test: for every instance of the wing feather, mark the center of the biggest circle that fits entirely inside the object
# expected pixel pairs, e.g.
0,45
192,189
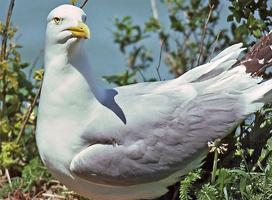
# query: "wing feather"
168,124
165,146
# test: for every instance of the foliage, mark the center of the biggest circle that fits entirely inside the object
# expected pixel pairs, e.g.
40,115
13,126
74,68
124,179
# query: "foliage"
187,183
191,39
138,57
245,20
243,172
234,183
181,41
17,93
34,173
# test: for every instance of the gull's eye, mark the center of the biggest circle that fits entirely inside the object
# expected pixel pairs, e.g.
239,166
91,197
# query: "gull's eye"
57,20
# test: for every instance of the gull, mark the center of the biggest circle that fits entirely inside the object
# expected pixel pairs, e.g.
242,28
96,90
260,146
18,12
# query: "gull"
132,142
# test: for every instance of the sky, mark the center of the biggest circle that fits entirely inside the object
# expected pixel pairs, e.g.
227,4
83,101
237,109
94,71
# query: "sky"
29,17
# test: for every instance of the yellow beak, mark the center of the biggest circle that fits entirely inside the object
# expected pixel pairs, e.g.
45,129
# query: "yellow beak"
80,31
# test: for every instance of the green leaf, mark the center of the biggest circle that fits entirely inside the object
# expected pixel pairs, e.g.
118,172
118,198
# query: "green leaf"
257,33
153,25
124,78
230,18
208,192
38,74
33,173
187,182
10,154
176,24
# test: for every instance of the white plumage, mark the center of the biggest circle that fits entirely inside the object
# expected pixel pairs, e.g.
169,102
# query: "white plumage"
132,142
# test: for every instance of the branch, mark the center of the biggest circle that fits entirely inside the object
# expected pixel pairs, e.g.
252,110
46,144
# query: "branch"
53,196
8,177
5,32
3,55
28,113
160,54
154,9
215,45
156,16
84,3
204,32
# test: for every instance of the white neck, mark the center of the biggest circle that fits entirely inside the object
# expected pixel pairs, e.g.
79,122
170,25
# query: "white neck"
68,84
70,65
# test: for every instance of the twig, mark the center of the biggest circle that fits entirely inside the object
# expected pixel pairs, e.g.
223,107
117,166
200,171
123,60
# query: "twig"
53,181
142,75
156,16
38,194
215,45
204,32
28,113
3,55
84,3
154,9
8,177
5,32
53,196
160,55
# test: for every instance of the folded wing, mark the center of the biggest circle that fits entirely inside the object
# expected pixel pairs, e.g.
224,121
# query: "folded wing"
168,124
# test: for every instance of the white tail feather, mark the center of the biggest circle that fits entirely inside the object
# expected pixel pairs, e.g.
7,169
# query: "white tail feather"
257,96
220,63
218,76
228,50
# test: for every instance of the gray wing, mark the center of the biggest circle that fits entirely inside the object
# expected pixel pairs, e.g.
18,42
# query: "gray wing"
167,124
164,132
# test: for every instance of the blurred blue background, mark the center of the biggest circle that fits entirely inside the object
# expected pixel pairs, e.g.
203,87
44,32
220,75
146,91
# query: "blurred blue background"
29,17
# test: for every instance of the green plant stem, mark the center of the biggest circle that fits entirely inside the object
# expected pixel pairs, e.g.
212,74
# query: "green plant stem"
215,163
